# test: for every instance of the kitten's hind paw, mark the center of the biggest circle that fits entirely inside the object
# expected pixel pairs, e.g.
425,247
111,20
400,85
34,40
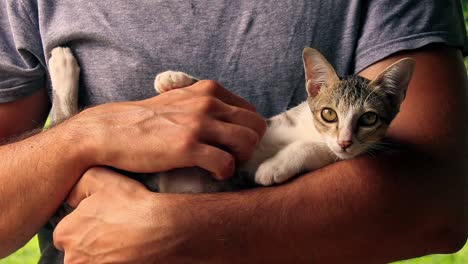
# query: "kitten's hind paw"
64,74
170,80
63,67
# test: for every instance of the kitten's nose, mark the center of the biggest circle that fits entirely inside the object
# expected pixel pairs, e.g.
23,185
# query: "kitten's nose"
345,144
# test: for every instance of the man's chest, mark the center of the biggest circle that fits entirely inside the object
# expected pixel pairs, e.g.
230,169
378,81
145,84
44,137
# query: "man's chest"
251,47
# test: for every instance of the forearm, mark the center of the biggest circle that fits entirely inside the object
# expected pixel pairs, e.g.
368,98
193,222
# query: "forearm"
156,134
36,175
349,212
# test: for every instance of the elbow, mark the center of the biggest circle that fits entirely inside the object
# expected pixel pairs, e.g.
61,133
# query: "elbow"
453,233
9,244
451,214
450,240
457,244
4,252
445,237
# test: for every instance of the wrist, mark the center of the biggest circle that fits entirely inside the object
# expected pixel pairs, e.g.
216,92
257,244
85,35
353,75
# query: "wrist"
184,227
82,142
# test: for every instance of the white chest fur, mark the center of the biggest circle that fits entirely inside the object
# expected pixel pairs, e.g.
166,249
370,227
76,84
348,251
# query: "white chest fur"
291,145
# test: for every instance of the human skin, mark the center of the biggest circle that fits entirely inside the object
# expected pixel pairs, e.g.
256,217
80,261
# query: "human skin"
179,129
402,203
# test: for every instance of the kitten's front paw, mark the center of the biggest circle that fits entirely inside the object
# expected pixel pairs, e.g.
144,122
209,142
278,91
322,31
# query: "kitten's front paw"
170,80
271,172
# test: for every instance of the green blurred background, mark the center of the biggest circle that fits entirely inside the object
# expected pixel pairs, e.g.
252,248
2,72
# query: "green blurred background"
29,254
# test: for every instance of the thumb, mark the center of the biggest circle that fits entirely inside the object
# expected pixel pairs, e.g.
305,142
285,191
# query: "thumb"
94,180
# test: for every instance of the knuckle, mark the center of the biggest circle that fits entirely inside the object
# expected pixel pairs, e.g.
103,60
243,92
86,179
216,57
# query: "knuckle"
209,86
251,140
247,134
89,174
226,164
59,234
262,126
177,92
93,173
259,124
187,142
252,107
206,104
197,126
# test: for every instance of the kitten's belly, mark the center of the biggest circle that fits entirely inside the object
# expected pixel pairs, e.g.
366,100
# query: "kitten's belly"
189,180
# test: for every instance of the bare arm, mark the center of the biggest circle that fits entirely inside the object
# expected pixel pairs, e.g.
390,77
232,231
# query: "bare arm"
404,203
28,195
400,204
153,135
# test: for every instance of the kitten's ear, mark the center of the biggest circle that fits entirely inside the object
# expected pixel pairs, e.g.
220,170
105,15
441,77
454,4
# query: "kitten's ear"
394,80
318,71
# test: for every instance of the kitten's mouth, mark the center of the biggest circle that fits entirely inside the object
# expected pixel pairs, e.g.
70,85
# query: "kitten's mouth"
343,154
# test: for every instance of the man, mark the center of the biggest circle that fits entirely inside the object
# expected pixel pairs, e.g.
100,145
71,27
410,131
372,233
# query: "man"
399,204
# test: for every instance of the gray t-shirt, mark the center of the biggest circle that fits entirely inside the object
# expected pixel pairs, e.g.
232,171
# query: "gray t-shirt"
251,47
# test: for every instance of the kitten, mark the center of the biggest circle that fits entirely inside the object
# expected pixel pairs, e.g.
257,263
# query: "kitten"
340,119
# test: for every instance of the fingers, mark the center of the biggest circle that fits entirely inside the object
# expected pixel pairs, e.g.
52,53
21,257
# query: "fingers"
214,146
242,117
220,163
239,140
216,108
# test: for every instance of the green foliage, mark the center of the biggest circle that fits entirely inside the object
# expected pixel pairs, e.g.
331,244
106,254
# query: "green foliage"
29,254
465,11
460,257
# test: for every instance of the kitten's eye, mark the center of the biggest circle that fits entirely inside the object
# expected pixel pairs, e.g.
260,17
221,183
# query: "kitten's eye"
329,115
368,119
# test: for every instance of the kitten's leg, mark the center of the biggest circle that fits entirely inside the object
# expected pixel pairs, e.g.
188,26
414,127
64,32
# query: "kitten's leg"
295,158
170,80
64,74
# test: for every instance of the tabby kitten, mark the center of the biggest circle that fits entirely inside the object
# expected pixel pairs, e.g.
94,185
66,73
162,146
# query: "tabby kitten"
340,119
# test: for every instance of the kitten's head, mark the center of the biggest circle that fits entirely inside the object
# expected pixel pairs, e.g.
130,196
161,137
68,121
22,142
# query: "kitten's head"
352,114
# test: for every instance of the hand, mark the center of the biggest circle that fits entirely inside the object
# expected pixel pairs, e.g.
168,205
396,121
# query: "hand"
113,222
201,125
